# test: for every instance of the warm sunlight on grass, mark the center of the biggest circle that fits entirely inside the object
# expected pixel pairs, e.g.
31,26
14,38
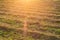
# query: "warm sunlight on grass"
26,0
29,20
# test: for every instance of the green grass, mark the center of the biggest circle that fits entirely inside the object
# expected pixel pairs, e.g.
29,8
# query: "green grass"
12,34
9,34
17,21
11,22
54,30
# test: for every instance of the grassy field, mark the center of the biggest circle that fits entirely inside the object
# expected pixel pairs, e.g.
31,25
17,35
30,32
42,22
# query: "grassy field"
39,26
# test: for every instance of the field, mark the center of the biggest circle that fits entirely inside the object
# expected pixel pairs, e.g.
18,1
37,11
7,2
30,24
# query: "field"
38,20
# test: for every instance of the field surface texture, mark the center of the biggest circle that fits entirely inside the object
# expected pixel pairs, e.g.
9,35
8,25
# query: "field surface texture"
29,19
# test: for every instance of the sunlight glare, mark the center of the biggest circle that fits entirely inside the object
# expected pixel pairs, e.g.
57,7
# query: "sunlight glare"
27,1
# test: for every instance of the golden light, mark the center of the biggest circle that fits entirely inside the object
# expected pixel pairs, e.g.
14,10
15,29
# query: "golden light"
27,1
